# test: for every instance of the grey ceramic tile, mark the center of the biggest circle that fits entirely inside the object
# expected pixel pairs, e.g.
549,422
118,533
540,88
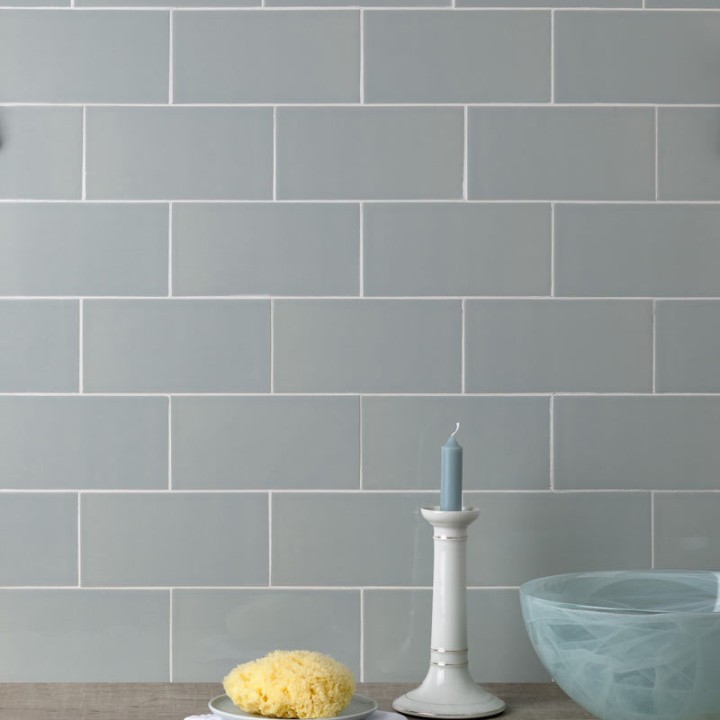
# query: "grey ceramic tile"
39,346
687,346
41,153
214,630
561,153
369,153
527,535
552,3
556,345
84,636
265,248
445,56
456,249
34,3
174,539
83,249
686,530
176,345
683,4
647,250
86,443
179,153
636,57
358,3
506,441
267,57
195,4
367,346
637,442
687,150
233,442
57,56
363,539
397,637
38,539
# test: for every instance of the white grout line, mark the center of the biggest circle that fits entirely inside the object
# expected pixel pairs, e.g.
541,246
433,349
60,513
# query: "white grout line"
171,78
169,442
652,530
361,240
170,250
654,345
552,56
552,249
330,8
274,154
362,631
463,348
81,349
170,635
362,57
465,152
83,179
269,501
79,540
657,155
552,442
272,347
360,404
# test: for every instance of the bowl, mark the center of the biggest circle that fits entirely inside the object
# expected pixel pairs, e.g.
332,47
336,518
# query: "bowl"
630,645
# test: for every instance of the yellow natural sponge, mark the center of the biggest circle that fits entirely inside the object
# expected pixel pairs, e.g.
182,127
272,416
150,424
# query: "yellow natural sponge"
291,684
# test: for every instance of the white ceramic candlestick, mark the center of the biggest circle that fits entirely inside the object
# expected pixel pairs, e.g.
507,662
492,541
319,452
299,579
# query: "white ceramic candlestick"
448,690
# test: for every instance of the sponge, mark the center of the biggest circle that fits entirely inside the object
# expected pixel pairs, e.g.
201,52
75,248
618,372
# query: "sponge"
291,684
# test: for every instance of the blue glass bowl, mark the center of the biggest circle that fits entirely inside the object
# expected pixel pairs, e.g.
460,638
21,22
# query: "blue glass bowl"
630,645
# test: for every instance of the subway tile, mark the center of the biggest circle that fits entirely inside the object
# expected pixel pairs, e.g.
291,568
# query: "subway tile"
265,248
362,539
445,56
83,249
179,153
683,4
357,3
686,533
558,345
687,346
506,441
35,3
39,346
174,539
176,345
397,637
646,250
38,539
406,346
456,249
83,56
290,57
369,153
87,443
265,442
41,153
214,630
687,149
552,3
561,153
636,57
84,636
176,4
648,442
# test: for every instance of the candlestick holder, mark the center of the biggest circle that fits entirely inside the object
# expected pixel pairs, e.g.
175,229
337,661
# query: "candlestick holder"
448,690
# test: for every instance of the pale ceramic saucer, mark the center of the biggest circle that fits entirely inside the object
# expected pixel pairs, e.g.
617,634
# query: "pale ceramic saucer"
359,708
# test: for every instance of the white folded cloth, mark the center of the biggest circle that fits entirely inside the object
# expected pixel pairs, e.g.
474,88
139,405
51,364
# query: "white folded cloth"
377,715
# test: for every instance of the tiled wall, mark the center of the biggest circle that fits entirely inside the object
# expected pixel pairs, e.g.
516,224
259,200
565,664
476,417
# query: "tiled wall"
256,261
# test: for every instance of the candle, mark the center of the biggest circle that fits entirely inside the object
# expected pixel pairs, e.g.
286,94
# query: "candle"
451,473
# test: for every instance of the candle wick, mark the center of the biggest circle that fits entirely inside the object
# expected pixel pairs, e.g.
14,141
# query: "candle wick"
457,427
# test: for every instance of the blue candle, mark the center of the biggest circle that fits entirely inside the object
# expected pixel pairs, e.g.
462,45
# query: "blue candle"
451,474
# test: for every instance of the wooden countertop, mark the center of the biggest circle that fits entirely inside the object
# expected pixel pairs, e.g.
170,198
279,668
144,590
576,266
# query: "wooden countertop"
165,701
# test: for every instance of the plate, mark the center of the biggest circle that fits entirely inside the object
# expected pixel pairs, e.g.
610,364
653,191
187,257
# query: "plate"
360,707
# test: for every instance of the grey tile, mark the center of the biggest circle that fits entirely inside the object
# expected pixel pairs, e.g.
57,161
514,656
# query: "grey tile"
291,57
194,4
684,4
369,153
83,249
174,539
686,530
456,249
647,250
83,442
265,248
84,636
365,539
445,56
179,153
687,346
177,345
637,442
41,151
636,57
38,539
556,345
214,630
397,637
506,441
552,3
57,56
688,148
561,153
233,442
40,346
35,3
527,535
367,346
357,3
